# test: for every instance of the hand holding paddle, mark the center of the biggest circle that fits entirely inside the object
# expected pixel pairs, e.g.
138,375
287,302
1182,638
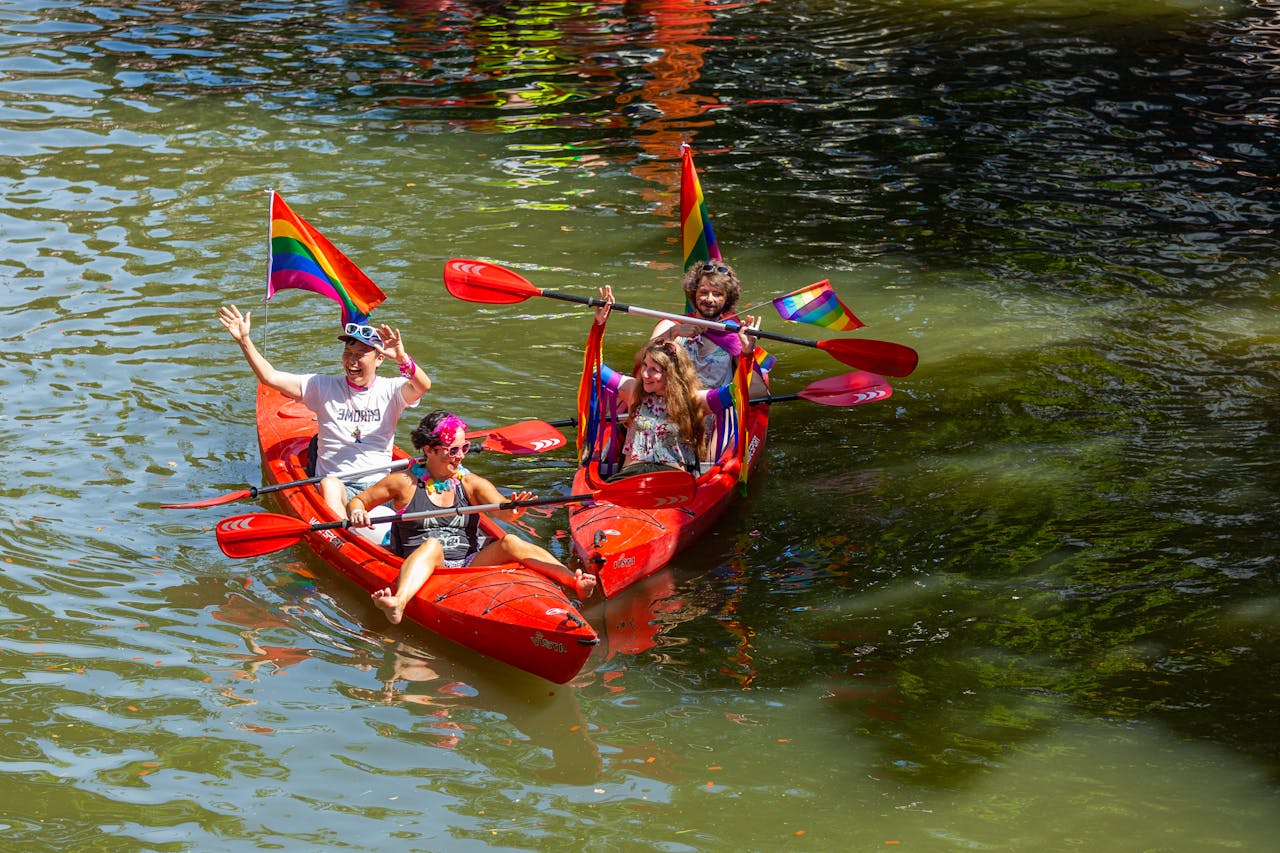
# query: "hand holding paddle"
518,439
491,284
262,533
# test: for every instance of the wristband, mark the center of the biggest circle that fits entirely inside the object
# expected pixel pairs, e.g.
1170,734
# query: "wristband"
408,368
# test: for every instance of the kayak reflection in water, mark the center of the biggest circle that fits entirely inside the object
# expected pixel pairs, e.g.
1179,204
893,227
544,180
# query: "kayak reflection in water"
667,405
454,540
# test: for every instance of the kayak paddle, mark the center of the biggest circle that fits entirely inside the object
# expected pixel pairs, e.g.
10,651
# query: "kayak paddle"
847,389
518,439
491,284
261,533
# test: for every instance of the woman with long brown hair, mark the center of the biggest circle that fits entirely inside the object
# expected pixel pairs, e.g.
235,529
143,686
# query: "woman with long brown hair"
667,406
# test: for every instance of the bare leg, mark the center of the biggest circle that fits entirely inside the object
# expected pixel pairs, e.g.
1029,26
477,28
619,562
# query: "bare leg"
414,572
531,556
335,495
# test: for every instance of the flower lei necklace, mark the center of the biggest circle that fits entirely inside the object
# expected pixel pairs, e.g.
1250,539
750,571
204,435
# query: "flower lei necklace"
439,487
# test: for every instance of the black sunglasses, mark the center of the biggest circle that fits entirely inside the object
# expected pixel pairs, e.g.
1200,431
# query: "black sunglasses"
707,267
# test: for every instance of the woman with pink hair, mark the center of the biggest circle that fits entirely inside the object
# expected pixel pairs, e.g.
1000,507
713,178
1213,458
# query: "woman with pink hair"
452,540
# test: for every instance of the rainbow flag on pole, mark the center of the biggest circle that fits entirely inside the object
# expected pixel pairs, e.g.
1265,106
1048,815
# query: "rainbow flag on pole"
301,258
817,305
697,239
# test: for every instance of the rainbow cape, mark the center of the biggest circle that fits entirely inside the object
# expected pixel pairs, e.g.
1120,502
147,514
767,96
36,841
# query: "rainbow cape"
591,397
697,239
301,258
741,400
817,305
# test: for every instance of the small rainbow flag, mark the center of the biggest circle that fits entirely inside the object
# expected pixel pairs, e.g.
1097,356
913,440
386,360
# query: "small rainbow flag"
818,305
764,361
697,238
302,258
590,394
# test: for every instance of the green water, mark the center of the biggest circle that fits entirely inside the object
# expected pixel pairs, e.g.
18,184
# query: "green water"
1028,602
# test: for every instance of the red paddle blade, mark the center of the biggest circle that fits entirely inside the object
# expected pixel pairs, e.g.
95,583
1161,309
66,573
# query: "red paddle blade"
231,497
258,533
848,389
880,356
523,438
655,490
477,281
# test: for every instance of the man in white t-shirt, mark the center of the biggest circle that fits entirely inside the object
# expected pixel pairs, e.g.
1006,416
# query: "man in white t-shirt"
357,412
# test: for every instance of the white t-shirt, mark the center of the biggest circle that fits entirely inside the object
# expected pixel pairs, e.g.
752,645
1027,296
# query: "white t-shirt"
357,428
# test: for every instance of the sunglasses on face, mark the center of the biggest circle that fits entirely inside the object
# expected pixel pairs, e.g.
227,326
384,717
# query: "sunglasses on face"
457,451
367,334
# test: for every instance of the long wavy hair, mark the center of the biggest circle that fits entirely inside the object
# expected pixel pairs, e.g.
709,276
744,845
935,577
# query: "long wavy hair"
684,406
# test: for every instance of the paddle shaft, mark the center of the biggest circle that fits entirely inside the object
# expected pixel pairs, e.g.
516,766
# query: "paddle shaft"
254,491
596,302
460,510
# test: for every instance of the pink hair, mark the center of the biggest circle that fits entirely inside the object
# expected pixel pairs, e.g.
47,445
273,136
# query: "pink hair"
449,426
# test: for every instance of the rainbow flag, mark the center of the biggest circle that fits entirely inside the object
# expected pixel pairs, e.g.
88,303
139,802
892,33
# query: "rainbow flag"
741,390
697,239
302,258
590,394
817,305
764,361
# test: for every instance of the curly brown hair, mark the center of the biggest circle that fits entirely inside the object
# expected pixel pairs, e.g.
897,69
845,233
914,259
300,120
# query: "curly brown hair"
718,274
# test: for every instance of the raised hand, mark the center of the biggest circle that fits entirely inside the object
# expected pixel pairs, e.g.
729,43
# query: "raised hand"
234,322
602,311
392,343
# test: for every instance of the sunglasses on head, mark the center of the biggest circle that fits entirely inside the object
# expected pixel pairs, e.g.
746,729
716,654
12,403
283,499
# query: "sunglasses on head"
368,334
707,267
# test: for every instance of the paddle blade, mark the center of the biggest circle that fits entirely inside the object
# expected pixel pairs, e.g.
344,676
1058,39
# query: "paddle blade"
654,490
258,533
522,439
879,356
848,389
231,497
477,281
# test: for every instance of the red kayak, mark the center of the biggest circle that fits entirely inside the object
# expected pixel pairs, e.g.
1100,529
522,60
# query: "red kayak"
506,612
625,544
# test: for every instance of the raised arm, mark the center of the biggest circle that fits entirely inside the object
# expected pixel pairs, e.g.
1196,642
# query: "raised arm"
288,384
622,385
419,383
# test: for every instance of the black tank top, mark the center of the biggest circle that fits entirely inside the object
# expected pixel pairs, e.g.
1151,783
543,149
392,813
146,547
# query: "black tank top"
459,534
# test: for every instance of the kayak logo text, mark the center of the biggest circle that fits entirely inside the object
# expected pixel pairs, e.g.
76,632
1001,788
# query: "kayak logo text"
539,640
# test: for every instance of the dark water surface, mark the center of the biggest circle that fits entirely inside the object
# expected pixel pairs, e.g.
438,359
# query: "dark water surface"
1028,602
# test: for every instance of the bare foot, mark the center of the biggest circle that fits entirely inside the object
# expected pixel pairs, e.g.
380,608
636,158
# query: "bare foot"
385,599
585,584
